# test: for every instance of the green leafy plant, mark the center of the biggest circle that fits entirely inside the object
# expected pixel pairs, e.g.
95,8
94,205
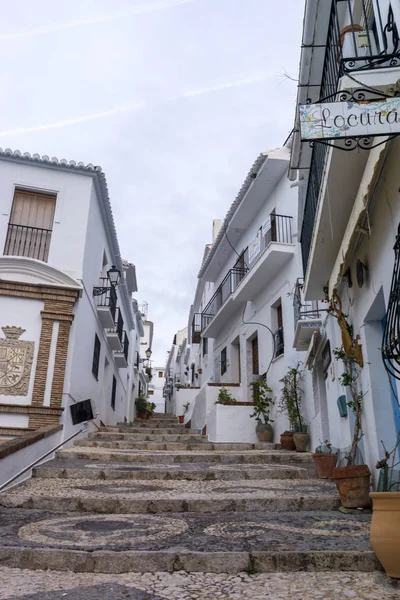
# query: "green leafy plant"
262,401
326,448
225,397
186,407
141,404
149,373
389,478
291,397
350,380
150,408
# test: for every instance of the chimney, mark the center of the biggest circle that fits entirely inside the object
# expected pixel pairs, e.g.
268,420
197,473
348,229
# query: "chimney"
217,225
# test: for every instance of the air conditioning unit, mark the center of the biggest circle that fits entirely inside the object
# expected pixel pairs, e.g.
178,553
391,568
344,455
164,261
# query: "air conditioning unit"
82,411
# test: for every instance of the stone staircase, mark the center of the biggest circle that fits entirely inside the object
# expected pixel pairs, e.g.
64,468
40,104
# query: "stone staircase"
158,497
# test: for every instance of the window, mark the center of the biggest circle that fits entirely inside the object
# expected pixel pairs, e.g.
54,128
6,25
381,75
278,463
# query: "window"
160,374
254,354
96,356
224,365
30,225
277,323
205,346
114,389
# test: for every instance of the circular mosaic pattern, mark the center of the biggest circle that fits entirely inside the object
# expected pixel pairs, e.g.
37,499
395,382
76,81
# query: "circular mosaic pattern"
97,530
250,528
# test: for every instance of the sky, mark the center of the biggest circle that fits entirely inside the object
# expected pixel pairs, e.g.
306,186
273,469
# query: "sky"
174,99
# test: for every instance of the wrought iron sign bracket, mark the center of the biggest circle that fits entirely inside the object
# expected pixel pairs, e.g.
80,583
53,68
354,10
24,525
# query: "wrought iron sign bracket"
349,144
99,291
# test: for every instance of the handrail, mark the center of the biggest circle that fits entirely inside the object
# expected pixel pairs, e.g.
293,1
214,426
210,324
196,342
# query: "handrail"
7,483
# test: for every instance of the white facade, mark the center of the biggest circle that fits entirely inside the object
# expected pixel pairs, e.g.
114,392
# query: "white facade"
349,212
80,245
156,388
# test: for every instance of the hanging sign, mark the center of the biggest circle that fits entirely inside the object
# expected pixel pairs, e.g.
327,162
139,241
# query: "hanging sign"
334,120
255,246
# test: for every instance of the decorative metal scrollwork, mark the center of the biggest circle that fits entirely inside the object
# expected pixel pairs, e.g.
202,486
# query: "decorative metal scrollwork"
362,143
357,95
391,332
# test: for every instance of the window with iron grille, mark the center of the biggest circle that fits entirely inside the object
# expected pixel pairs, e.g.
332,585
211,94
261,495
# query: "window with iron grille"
96,356
224,365
114,389
205,346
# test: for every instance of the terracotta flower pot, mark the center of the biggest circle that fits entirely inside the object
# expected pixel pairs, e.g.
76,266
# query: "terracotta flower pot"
264,432
324,465
385,530
300,439
353,484
287,441
181,418
142,415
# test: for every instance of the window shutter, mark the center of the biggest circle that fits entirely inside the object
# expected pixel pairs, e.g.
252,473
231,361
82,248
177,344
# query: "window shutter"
254,345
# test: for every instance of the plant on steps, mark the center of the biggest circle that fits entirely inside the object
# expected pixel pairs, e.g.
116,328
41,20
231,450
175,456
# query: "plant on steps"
325,459
385,525
181,418
262,405
225,398
141,407
150,408
352,481
291,398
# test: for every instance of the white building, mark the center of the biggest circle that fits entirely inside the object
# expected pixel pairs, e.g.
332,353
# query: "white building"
156,388
69,334
349,210
242,322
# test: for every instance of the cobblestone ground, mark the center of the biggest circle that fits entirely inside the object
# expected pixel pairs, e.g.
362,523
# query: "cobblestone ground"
16,584
138,523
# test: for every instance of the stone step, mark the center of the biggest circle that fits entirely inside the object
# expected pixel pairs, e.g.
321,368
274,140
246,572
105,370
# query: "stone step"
211,542
202,445
149,431
79,469
164,422
136,497
167,457
145,437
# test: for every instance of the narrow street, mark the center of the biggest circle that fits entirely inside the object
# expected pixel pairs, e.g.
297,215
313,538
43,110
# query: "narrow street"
154,511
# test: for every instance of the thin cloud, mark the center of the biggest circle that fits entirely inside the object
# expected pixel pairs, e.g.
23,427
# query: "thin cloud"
137,10
134,107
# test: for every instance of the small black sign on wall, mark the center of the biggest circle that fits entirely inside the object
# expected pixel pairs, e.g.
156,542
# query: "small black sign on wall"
82,411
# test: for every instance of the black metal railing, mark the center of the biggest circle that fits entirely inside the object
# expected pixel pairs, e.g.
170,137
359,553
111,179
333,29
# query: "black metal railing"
226,288
109,298
196,328
137,359
360,38
304,309
279,342
31,242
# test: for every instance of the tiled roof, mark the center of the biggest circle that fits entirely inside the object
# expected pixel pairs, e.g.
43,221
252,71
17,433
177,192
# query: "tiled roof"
102,188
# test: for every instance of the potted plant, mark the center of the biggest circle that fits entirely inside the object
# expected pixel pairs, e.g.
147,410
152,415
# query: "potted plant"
385,524
325,459
225,398
185,410
352,480
150,408
291,398
200,371
287,441
141,407
262,403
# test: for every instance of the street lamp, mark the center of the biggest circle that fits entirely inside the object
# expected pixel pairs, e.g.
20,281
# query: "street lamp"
113,276
148,353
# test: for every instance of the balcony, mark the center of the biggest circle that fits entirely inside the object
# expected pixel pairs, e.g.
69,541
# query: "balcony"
279,343
196,328
122,354
307,318
31,242
106,304
267,254
276,249
115,334
362,44
221,303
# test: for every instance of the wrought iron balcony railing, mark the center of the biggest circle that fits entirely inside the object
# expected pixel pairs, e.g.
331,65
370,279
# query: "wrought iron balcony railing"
125,345
361,37
109,298
226,288
31,242
196,328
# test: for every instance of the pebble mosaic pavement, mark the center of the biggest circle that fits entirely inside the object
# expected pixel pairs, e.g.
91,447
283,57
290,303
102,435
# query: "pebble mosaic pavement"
99,474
